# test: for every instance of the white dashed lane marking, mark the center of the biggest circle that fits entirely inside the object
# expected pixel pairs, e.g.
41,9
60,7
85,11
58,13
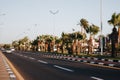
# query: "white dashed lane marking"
26,56
96,78
32,58
66,69
41,61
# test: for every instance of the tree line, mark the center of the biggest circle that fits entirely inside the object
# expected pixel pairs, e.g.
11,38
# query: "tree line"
75,42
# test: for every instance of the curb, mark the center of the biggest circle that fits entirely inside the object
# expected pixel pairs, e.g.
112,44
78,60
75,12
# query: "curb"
79,59
17,74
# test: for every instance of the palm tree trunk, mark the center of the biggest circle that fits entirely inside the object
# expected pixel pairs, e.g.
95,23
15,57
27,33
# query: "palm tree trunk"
114,39
118,34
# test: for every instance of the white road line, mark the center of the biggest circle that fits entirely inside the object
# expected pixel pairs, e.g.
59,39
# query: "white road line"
26,56
20,55
66,69
31,58
42,61
96,78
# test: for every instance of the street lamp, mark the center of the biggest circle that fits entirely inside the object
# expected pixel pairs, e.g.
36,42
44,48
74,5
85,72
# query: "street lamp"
101,37
54,13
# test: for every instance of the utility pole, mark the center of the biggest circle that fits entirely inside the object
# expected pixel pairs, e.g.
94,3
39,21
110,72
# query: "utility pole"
101,37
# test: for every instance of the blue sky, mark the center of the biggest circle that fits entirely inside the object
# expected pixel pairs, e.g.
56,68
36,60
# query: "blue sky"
32,17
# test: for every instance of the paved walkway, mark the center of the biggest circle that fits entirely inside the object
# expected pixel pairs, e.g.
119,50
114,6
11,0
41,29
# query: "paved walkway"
6,72
4,75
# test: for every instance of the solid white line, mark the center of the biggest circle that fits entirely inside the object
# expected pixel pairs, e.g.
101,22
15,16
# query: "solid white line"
42,61
96,78
64,68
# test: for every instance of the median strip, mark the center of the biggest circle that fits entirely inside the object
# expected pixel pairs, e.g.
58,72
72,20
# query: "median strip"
66,69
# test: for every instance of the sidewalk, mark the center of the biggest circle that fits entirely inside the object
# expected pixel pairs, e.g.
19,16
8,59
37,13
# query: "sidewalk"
5,71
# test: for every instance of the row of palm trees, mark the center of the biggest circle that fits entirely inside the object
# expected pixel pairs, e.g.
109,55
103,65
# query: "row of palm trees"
67,43
72,43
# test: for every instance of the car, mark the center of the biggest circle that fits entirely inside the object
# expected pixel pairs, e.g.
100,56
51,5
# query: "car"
8,51
12,49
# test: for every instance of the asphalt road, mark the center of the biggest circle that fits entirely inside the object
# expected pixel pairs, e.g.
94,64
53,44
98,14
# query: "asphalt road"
35,66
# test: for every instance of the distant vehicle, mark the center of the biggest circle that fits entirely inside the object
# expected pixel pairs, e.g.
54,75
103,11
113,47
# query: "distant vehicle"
3,50
8,51
12,49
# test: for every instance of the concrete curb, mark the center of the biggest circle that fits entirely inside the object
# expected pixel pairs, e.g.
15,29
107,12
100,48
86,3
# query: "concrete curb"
81,59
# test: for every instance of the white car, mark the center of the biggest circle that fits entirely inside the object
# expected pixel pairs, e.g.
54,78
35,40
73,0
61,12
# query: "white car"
8,51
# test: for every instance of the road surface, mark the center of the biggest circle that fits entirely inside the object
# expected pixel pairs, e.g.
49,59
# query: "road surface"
35,66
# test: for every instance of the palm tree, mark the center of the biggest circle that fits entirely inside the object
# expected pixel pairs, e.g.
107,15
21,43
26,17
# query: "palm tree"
23,43
65,41
113,21
114,35
118,17
15,44
58,44
93,29
85,25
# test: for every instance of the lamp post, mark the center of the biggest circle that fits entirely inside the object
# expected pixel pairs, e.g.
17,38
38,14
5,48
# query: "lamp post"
101,37
54,13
